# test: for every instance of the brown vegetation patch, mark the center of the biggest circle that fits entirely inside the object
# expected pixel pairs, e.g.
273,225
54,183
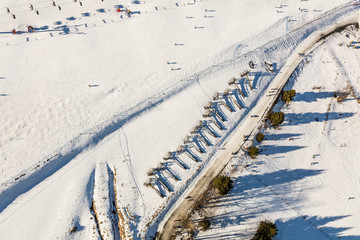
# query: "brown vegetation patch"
122,222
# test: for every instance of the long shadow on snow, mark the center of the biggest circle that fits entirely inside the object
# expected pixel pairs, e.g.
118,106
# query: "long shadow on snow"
167,166
257,76
224,236
244,88
281,136
299,229
229,103
197,142
250,182
207,124
312,96
241,201
274,149
217,107
304,118
238,96
165,180
160,187
248,189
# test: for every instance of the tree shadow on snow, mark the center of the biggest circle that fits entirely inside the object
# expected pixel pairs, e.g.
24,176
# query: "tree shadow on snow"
242,203
281,136
312,96
257,76
304,118
224,235
311,229
249,185
274,149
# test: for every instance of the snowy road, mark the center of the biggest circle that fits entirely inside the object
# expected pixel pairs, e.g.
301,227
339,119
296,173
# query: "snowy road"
247,127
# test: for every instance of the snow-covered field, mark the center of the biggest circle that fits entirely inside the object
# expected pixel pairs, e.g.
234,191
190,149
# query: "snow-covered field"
307,175
89,102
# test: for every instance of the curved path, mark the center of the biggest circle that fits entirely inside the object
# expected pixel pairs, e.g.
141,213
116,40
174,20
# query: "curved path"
233,145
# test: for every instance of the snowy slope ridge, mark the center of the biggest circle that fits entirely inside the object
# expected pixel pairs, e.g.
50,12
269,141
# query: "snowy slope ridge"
140,119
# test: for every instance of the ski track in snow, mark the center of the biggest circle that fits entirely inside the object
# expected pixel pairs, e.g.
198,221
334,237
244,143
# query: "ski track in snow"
127,157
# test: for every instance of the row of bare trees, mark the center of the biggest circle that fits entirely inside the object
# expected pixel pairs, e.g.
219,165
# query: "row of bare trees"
203,134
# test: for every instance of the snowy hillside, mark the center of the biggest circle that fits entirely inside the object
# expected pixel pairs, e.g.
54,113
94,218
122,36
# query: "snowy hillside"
306,177
94,97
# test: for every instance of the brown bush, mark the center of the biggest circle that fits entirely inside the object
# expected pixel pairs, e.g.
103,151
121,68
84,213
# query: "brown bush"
204,224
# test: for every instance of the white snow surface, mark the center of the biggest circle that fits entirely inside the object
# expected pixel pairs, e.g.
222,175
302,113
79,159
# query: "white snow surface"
307,174
92,86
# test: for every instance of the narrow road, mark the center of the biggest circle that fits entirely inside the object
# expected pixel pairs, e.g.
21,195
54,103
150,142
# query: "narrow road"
235,141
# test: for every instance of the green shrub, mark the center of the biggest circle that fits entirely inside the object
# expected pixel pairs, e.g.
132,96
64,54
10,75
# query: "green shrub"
260,137
204,224
253,151
292,93
285,97
277,118
223,184
266,231
288,96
